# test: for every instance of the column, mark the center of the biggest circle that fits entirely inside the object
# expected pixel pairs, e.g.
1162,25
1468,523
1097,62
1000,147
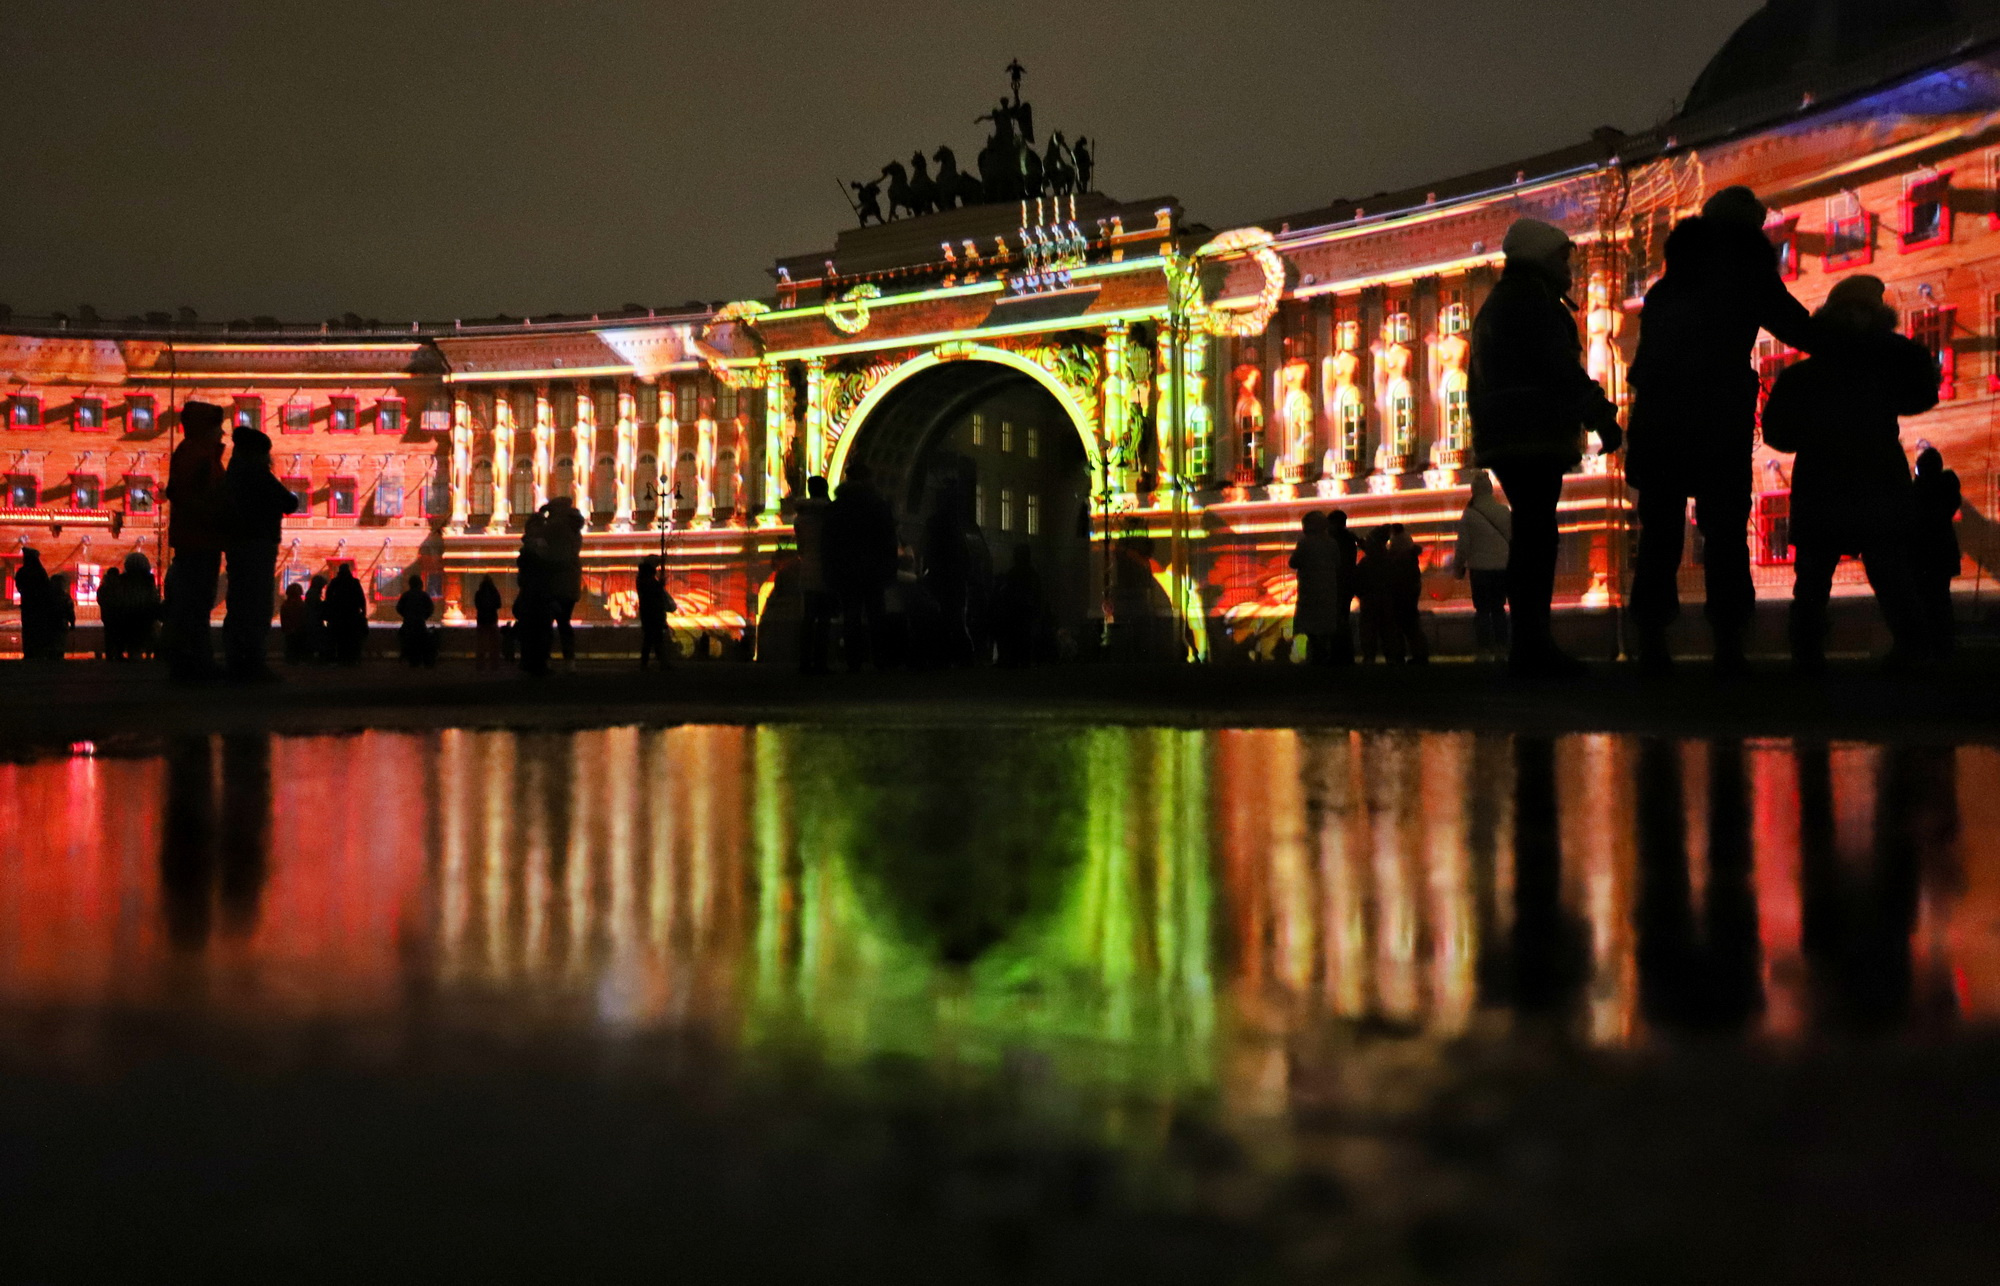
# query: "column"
815,452
503,458
545,443
1194,380
586,446
1163,411
628,453
777,400
667,448
706,453
461,459
1120,475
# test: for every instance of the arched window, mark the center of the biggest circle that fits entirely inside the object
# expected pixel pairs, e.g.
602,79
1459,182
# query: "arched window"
521,493
725,480
604,485
648,485
1352,421
482,486
1457,411
562,481
1402,418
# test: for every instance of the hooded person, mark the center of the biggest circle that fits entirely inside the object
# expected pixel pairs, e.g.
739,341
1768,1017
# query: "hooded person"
258,505
31,585
1531,403
1485,537
1694,416
197,529
347,615
1851,487
1324,565
861,553
141,605
1935,557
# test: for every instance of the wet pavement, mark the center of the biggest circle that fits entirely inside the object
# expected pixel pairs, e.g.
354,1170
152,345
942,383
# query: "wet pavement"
1000,1000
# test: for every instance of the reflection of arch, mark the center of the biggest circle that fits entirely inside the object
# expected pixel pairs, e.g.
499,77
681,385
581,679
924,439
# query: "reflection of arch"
1080,416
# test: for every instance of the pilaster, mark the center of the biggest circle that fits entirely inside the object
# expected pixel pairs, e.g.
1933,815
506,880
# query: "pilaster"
628,454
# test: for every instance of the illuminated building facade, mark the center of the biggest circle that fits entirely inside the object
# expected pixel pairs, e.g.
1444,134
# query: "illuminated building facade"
1190,394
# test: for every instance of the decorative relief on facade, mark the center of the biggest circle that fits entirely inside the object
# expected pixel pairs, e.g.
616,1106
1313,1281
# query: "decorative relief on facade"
1247,417
1075,365
849,385
1396,453
1451,353
1241,323
1346,410
1296,417
849,313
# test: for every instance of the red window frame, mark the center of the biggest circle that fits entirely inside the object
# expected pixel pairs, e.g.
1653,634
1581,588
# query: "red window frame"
143,484
392,408
334,487
76,483
1930,190
79,408
1862,254
1933,326
31,482
1785,240
1773,522
134,406
247,413
339,408
24,411
298,416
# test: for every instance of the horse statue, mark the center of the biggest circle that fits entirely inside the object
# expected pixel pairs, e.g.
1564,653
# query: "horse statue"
953,186
869,200
1000,159
924,194
900,197
1058,168
1079,152
1032,183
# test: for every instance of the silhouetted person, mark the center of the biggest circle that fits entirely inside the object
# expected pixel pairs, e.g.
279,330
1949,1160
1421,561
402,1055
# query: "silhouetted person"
244,845
1851,487
486,625
319,641
948,571
197,519
655,605
1403,571
258,503
1692,975
1371,587
414,636
816,597
1531,403
141,599
1694,416
1017,611
534,597
31,584
1485,535
188,836
110,612
565,552
347,615
1934,554
1550,949
861,559
61,618
295,623
1324,564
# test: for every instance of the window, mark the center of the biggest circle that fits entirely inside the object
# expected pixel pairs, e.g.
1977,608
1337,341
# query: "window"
1774,528
563,480
1006,435
684,402
978,429
1926,210
340,497
24,411
1784,237
648,484
138,494
648,402
1403,422
1931,326
979,505
1850,232
389,415
1457,413
437,413
521,490
1396,328
341,417
85,491
1347,335
604,485
140,416
725,403
389,584
482,487
1453,318
1006,506
22,491
388,497
1772,358
248,413
87,415
83,586
293,574
1034,515
437,495
302,491
298,416
1034,442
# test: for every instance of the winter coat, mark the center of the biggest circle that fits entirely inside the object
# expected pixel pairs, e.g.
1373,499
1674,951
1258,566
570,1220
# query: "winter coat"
809,531
1325,567
1485,534
1695,391
1838,411
197,503
486,606
346,604
1530,397
861,547
415,607
1934,536
258,502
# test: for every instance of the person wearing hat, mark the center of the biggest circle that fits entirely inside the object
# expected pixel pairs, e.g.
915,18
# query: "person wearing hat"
1851,487
197,509
258,503
1694,417
1531,403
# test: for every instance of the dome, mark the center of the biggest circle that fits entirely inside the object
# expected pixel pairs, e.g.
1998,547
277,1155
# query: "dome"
1787,38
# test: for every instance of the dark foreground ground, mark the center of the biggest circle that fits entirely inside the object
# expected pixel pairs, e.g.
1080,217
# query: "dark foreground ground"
130,1153
48,705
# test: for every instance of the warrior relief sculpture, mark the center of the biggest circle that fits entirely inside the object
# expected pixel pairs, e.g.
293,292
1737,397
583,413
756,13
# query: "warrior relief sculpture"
1295,413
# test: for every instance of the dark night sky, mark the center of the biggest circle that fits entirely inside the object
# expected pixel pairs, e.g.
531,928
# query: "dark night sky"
439,158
